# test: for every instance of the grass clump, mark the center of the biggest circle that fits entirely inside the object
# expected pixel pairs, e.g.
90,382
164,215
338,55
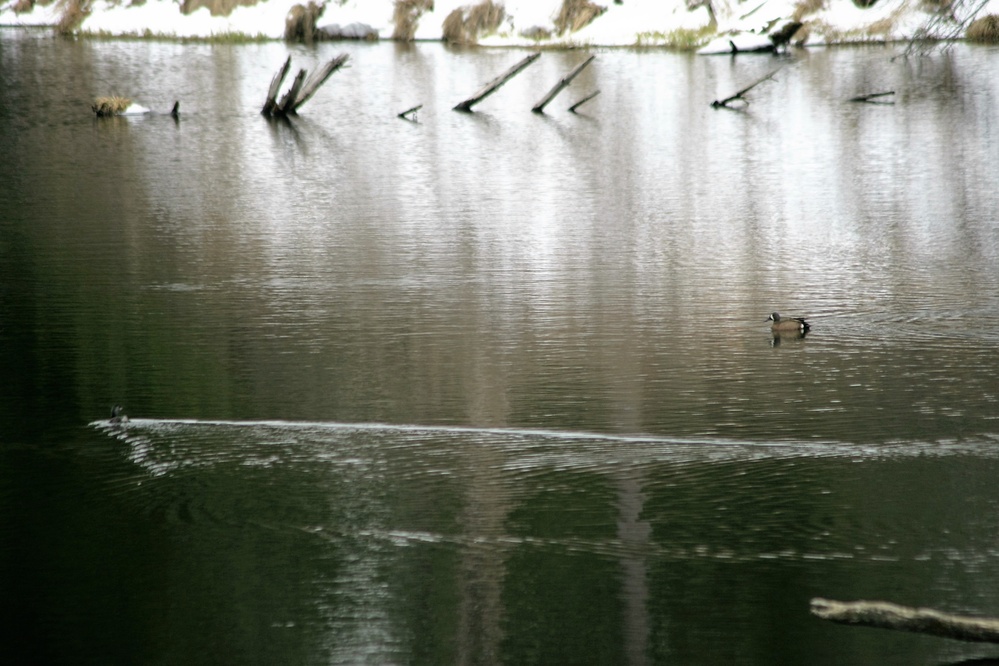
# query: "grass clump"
466,24
576,14
806,8
73,14
110,106
406,17
300,26
984,30
681,39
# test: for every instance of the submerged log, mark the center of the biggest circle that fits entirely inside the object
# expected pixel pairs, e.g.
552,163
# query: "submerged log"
739,95
873,98
886,615
493,85
572,109
302,88
561,85
404,115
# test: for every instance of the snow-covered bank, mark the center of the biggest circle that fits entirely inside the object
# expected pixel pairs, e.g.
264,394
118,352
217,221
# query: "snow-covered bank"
530,22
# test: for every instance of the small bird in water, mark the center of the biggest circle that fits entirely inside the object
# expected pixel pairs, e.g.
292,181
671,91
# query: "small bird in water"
789,325
118,415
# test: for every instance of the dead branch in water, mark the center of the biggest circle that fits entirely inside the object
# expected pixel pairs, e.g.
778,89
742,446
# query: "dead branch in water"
491,87
572,109
302,88
561,85
739,95
873,97
404,115
886,615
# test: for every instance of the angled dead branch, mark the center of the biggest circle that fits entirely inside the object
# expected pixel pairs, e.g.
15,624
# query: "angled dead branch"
493,85
572,109
740,95
561,85
873,98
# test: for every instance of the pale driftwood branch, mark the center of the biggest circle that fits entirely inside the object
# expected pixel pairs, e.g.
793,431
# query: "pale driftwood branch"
583,101
739,95
873,96
886,615
317,79
561,85
491,87
271,102
413,111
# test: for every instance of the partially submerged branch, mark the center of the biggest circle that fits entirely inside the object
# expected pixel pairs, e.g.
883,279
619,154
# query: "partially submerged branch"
873,98
493,85
302,88
561,85
886,615
739,95
572,109
405,114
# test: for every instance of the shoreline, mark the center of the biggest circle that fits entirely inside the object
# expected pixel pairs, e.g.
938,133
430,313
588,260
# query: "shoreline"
709,27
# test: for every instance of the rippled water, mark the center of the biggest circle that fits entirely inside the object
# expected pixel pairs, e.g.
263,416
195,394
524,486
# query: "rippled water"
493,387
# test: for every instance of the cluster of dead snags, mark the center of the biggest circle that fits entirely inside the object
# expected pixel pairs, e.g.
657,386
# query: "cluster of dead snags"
305,86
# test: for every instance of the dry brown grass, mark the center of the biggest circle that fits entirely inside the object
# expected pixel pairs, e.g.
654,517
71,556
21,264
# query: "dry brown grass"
806,8
300,26
466,24
406,16
215,7
576,14
110,106
985,30
73,13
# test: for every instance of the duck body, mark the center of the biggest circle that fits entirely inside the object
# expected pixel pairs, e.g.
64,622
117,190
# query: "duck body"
788,324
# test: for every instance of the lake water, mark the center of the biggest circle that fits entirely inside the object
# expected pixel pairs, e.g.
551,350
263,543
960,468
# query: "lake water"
494,388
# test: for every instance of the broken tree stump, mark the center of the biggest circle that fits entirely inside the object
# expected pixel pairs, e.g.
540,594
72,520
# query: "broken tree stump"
492,86
561,85
271,102
302,88
572,109
873,98
886,615
739,95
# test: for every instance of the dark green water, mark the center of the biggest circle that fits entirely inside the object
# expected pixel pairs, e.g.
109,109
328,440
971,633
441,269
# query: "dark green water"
493,388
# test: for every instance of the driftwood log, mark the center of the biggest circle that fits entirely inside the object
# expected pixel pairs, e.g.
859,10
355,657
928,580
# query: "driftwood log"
561,85
302,88
739,95
493,85
884,615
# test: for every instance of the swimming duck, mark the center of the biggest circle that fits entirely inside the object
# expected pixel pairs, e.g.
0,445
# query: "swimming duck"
791,324
118,415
